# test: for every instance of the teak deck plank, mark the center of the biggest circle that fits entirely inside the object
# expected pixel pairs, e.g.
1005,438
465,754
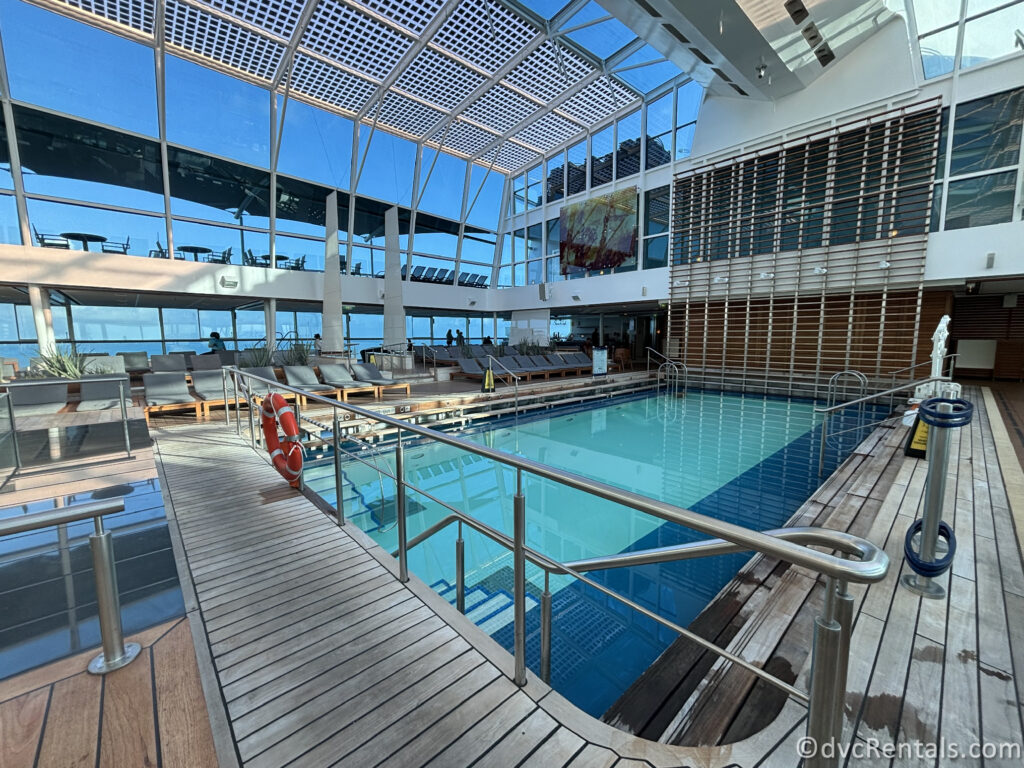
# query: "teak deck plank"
21,724
73,721
127,739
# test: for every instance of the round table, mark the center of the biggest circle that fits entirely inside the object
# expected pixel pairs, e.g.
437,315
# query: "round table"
84,238
265,258
195,250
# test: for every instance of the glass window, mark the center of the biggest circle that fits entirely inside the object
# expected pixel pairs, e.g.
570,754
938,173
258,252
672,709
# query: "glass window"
628,153
27,326
485,191
603,38
602,146
388,169
576,169
10,232
533,242
556,177
688,99
992,36
684,140
218,190
554,271
986,133
534,272
233,245
553,229
251,324
115,323
535,187
938,52
442,193
656,252
6,180
72,67
315,145
436,236
519,274
932,14
936,218
981,200
519,245
506,249
216,113
181,323
369,223
218,320
518,203
478,247
137,233
656,205
300,253
67,158
505,277
302,209
659,132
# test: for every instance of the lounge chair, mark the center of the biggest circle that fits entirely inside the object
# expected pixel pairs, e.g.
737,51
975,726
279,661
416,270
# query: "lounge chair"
544,364
167,391
104,394
531,368
470,368
258,387
167,363
511,364
209,387
304,377
38,398
337,375
135,361
228,356
101,364
368,373
567,366
206,363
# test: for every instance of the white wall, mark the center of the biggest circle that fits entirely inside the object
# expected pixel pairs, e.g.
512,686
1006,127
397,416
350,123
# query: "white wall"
963,253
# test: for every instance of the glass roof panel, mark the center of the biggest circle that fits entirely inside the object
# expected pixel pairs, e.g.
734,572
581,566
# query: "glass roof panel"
605,38
279,17
545,8
648,78
590,12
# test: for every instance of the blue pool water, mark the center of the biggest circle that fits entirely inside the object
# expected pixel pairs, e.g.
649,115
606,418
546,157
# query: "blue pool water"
746,459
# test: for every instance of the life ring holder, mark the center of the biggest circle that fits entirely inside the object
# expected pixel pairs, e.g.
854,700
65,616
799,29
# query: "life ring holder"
286,458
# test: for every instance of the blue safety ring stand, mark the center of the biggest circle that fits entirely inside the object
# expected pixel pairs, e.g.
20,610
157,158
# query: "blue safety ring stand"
937,567
960,416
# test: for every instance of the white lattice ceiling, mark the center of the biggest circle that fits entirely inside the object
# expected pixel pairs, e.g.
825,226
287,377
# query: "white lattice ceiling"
486,79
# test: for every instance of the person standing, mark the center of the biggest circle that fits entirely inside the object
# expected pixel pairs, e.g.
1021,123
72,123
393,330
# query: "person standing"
459,338
318,344
449,338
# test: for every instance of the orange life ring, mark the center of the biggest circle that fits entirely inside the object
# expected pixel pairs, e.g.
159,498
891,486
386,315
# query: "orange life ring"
287,460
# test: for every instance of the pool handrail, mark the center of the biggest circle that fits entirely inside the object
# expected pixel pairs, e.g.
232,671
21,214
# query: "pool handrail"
116,653
515,379
860,400
830,654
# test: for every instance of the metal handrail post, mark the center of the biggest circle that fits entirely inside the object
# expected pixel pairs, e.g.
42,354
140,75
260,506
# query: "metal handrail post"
115,653
124,419
403,551
519,576
298,438
821,451
460,572
844,617
339,502
545,630
252,429
14,433
227,405
238,410
825,663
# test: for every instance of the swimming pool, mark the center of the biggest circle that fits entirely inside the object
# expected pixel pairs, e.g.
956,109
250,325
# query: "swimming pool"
751,460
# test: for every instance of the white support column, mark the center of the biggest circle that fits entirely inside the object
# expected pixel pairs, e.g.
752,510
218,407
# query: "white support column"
270,321
42,316
394,306
333,334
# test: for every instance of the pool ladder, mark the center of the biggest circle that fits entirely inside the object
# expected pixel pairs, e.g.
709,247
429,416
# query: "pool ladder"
850,391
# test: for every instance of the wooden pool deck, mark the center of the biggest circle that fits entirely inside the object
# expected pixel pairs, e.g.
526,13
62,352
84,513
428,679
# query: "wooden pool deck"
311,652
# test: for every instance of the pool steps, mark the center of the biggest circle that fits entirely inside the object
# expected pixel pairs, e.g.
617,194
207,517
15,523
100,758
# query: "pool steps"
491,611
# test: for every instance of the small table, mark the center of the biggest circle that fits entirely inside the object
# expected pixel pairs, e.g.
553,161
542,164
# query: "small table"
265,258
195,250
84,238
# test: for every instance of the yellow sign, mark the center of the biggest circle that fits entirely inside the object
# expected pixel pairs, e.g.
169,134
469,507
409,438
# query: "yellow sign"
917,445
488,381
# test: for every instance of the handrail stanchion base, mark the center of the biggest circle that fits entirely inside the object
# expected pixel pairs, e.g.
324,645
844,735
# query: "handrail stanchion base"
116,653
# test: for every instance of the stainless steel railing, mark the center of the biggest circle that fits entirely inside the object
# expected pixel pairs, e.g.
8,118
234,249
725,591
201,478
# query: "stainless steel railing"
859,401
515,379
832,628
122,385
116,653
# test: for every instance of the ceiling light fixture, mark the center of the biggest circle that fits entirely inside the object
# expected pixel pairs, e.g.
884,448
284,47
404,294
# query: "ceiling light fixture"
820,270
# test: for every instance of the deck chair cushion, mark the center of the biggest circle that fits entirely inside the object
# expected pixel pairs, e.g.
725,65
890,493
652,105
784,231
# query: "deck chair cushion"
337,375
135,361
206,363
304,377
166,388
167,363
259,387
369,373
209,385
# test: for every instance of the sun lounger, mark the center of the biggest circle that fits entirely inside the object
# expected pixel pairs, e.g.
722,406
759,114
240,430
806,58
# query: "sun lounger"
38,399
135,361
209,387
103,394
338,375
367,372
206,363
167,391
167,363
304,377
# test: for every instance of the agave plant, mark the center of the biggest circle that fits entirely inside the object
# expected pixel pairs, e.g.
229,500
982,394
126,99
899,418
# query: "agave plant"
61,362
298,353
259,355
